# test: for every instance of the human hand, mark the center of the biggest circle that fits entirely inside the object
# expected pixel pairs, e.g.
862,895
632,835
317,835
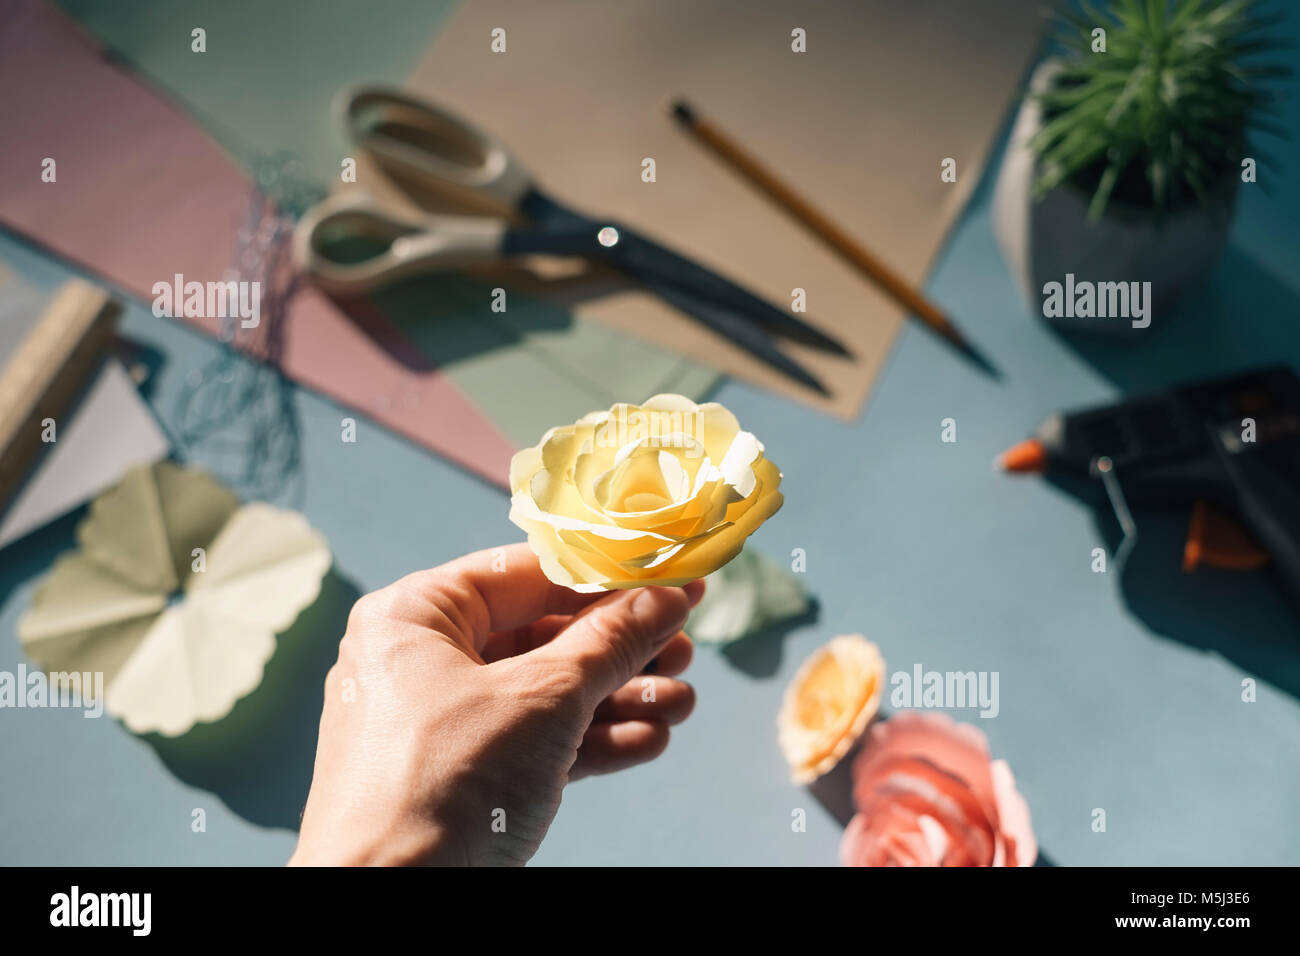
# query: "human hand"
465,697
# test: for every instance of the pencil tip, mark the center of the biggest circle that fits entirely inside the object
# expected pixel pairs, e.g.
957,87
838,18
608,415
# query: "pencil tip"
950,333
682,112
978,358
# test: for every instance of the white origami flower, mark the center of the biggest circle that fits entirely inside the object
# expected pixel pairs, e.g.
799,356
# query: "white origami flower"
176,594
659,493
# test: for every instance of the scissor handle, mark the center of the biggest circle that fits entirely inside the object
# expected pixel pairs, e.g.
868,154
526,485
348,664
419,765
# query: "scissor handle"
400,244
434,146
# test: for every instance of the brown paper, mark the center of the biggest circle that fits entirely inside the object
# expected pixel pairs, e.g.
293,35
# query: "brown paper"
860,124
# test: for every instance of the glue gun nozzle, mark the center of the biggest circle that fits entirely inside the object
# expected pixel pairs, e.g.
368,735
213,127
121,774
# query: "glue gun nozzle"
1028,457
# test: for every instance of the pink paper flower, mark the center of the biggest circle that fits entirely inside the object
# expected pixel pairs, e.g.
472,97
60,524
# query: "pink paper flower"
928,795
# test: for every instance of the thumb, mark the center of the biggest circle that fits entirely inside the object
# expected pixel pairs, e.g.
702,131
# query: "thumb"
611,641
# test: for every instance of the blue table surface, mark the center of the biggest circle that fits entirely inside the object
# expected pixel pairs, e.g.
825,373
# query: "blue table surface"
1117,691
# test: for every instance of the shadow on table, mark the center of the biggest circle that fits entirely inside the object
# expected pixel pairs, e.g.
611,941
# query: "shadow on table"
141,359
1242,316
33,555
259,758
759,654
1241,615
834,789
447,317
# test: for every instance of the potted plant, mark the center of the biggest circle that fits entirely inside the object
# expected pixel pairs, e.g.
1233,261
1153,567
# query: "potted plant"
1126,155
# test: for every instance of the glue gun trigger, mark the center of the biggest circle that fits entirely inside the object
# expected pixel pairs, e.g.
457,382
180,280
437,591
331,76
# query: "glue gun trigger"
1218,540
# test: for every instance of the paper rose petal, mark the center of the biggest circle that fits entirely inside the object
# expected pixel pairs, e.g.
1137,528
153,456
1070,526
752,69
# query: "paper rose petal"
829,704
745,596
928,794
660,493
176,645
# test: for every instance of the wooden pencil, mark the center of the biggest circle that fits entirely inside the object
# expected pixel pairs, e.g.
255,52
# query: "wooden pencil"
821,226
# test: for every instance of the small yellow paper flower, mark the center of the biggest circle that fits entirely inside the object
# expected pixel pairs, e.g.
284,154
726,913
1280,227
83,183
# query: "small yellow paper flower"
659,493
829,704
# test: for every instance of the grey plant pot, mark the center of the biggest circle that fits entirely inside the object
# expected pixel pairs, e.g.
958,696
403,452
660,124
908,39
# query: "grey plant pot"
1043,241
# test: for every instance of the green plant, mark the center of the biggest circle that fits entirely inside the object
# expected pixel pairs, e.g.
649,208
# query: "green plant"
1161,118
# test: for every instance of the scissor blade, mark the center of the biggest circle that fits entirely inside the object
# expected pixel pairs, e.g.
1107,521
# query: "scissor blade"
735,329
645,258
584,239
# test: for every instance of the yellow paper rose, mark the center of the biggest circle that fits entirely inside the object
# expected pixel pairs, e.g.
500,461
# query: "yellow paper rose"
659,493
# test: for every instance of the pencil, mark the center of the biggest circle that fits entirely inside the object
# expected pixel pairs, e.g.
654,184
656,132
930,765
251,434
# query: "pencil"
822,227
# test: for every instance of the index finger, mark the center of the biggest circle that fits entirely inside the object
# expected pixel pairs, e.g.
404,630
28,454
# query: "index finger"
497,589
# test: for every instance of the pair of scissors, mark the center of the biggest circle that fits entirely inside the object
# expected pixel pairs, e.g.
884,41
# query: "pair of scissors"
350,244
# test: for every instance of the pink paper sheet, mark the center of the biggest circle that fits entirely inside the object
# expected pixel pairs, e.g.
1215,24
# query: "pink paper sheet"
142,194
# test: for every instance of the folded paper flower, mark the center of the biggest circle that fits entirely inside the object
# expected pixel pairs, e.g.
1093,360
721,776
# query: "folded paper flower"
928,795
829,704
176,594
659,493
